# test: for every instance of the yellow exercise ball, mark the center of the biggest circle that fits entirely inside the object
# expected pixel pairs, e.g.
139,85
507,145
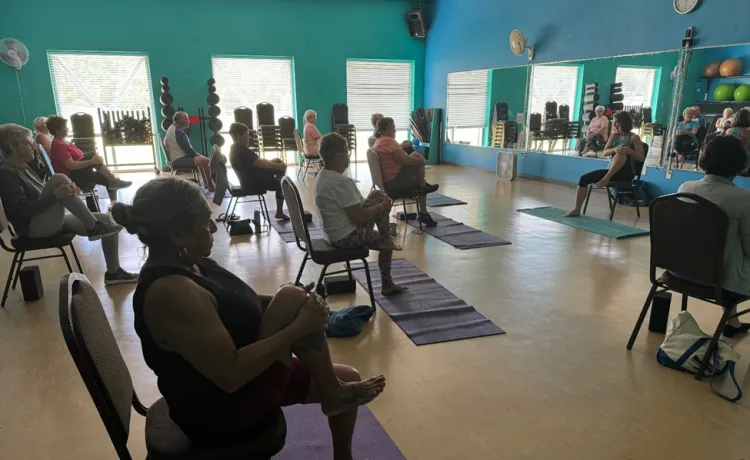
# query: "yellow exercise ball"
711,70
730,68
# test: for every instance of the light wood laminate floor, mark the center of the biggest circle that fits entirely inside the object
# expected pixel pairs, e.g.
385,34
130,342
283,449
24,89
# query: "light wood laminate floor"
559,385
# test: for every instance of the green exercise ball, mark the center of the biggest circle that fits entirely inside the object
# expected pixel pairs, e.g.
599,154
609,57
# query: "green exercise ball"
724,92
742,93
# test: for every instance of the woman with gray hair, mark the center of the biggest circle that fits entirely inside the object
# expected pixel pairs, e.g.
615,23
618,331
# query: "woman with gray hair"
42,134
311,133
596,134
38,210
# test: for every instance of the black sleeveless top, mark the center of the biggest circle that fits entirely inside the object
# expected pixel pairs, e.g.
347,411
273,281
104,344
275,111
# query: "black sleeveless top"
200,408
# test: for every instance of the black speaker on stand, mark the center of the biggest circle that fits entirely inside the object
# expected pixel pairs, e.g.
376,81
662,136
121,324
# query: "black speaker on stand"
415,21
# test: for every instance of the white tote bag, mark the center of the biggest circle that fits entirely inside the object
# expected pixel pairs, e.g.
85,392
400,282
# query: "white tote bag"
686,345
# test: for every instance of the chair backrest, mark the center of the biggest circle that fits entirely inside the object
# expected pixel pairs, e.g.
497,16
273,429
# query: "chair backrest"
287,126
296,213
564,111
535,122
47,161
550,110
685,220
298,141
244,115
94,350
373,160
82,125
340,114
500,112
701,134
265,113
4,223
638,165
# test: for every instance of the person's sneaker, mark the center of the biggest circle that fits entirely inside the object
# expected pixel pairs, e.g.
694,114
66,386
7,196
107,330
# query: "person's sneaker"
427,220
103,230
119,184
120,277
731,331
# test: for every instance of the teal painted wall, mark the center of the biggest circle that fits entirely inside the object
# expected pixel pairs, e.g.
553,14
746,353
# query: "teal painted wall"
181,36
508,85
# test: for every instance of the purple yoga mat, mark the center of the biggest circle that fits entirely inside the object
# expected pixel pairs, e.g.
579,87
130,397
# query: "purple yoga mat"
308,436
286,232
427,312
459,235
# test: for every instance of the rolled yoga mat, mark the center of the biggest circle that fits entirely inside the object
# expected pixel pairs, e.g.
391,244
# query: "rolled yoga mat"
590,224
459,235
427,312
436,199
308,436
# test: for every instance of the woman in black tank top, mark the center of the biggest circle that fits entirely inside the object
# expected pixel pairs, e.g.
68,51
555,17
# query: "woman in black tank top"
222,353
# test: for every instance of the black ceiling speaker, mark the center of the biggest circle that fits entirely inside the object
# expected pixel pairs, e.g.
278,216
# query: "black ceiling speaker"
415,20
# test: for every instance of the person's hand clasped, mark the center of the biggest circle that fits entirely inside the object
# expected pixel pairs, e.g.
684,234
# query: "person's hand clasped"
313,316
65,190
97,160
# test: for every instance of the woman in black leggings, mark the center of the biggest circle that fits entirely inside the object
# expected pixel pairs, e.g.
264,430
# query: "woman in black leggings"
626,150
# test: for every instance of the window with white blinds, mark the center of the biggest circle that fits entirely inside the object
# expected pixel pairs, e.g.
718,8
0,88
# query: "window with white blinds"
248,81
637,85
467,99
378,87
554,83
87,82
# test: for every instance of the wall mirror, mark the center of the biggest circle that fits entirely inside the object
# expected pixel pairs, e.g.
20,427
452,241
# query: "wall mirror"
564,98
717,88
485,108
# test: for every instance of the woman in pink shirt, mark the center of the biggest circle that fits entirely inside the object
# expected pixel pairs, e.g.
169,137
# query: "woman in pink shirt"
597,132
402,172
312,134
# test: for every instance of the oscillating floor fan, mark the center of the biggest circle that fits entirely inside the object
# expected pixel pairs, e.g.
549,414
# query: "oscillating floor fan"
15,54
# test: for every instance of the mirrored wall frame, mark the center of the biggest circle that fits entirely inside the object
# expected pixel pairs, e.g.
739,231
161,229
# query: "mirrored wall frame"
486,108
716,78
563,96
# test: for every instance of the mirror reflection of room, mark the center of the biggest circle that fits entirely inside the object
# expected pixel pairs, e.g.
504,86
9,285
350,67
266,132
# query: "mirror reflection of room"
486,107
714,103
572,103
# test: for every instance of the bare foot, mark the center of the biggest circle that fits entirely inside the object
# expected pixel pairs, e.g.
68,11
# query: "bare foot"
393,289
389,244
281,216
572,213
601,184
354,394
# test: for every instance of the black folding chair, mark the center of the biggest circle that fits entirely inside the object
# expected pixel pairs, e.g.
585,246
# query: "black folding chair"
409,197
94,350
680,221
318,250
19,246
615,189
88,190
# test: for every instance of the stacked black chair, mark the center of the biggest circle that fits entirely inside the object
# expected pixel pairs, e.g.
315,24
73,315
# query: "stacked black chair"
341,125
550,110
564,111
269,133
287,125
82,125
500,112
535,128
572,131
244,115
97,357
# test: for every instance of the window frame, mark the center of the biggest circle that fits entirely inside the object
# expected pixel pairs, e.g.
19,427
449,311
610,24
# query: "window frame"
654,87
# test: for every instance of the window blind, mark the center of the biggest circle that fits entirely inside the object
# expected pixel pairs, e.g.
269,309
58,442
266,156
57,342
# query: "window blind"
378,87
87,82
248,81
467,99
554,83
637,85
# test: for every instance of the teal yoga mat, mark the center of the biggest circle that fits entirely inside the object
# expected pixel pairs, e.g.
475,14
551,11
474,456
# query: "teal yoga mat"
590,224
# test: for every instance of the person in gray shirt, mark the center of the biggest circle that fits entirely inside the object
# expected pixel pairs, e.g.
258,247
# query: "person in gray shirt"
38,210
723,159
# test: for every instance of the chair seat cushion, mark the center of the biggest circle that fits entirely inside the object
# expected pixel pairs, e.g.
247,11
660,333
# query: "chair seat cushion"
312,157
165,440
238,192
325,254
700,291
31,244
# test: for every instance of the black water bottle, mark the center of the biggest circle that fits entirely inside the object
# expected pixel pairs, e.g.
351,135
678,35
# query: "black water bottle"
256,220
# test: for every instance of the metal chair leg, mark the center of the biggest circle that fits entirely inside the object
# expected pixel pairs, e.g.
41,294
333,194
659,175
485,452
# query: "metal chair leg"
684,302
714,342
612,204
264,211
642,316
322,275
369,282
228,213
19,265
67,261
301,268
10,278
349,270
75,256
586,202
299,170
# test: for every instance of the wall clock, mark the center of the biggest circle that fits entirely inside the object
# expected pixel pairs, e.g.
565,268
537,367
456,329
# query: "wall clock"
685,6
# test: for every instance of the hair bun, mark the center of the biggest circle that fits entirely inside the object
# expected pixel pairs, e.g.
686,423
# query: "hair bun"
123,215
